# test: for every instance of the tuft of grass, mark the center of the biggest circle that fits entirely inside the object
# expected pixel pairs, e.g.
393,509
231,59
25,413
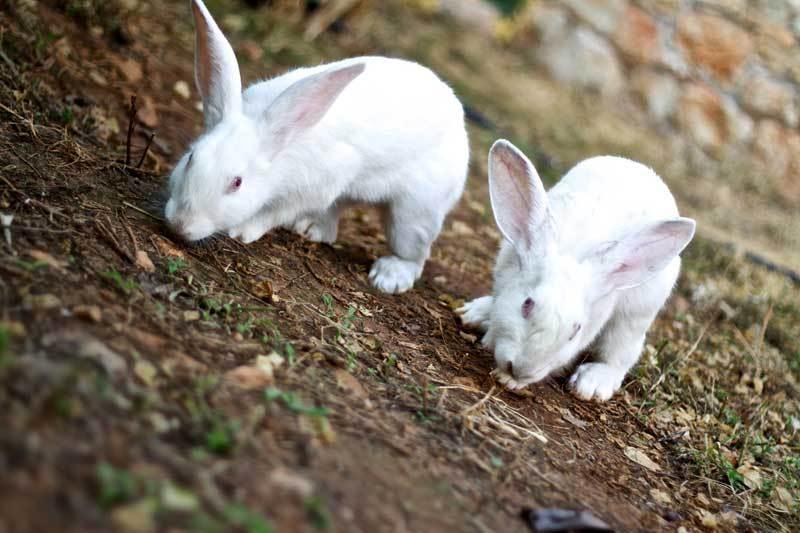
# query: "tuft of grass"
175,265
293,403
318,513
116,485
126,285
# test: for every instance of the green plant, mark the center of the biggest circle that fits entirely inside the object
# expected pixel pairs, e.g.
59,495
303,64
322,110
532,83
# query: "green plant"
293,403
252,522
318,513
175,264
116,485
126,285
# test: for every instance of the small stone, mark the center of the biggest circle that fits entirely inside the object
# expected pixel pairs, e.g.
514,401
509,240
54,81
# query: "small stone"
98,78
92,313
41,302
181,88
143,261
191,315
146,371
130,69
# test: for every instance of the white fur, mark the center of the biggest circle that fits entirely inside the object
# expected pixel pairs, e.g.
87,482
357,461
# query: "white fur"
307,143
598,255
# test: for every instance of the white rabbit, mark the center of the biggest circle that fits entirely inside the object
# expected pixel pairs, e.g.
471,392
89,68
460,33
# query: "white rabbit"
593,259
293,150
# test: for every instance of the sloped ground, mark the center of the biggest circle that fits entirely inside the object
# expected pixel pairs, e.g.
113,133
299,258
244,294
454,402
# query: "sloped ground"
226,387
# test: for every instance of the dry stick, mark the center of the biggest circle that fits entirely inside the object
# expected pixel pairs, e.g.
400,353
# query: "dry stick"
51,210
131,124
142,211
146,149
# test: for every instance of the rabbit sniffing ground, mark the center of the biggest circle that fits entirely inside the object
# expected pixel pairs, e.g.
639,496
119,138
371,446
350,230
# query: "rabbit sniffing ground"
591,261
294,150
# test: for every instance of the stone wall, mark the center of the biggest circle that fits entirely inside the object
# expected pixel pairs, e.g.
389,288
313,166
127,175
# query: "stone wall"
722,75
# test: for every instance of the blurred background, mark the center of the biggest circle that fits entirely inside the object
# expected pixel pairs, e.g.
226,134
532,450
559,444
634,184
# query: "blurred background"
704,91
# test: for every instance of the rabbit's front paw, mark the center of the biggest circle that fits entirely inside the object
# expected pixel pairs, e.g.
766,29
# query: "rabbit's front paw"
476,313
394,275
507,380
596,381
316,229
250,231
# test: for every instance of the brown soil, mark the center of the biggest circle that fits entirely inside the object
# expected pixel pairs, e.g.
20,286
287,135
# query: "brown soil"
154,372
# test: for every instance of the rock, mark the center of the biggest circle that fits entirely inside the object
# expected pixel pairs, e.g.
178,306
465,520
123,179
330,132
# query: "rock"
476,14
778,150
147,113
129,68
41,302
73,342
714,43
637,36
143,261
768,96
549,22
739,124
585,59
659,92
91,313
181,88
702,116
603,15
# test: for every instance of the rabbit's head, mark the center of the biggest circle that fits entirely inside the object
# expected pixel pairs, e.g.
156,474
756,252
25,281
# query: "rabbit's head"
232,170
544,299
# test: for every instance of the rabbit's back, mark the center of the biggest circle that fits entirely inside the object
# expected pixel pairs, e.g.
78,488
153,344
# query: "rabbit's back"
603,198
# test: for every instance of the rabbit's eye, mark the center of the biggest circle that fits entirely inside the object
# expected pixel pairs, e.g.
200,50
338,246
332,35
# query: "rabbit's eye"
235,184
575,329
527,307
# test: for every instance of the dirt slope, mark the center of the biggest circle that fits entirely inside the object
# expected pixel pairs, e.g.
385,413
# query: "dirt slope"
147,385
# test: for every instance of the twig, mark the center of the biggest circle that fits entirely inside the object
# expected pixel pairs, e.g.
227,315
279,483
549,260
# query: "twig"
146,149
142,211
35,170
108,235
131,124
33,201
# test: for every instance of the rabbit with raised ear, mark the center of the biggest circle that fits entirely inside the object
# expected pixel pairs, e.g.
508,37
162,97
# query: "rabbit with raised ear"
294,150
592,261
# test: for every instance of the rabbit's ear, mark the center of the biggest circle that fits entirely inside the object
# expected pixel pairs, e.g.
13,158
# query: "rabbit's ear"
636,258
519,201
304,103
216,71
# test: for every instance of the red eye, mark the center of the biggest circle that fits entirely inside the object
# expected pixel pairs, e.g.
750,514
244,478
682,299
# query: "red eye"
527,307
236,183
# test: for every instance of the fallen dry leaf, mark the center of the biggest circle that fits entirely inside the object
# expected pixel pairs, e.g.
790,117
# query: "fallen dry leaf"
143,261
639,457
147,114
191,315
567,415
168,248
